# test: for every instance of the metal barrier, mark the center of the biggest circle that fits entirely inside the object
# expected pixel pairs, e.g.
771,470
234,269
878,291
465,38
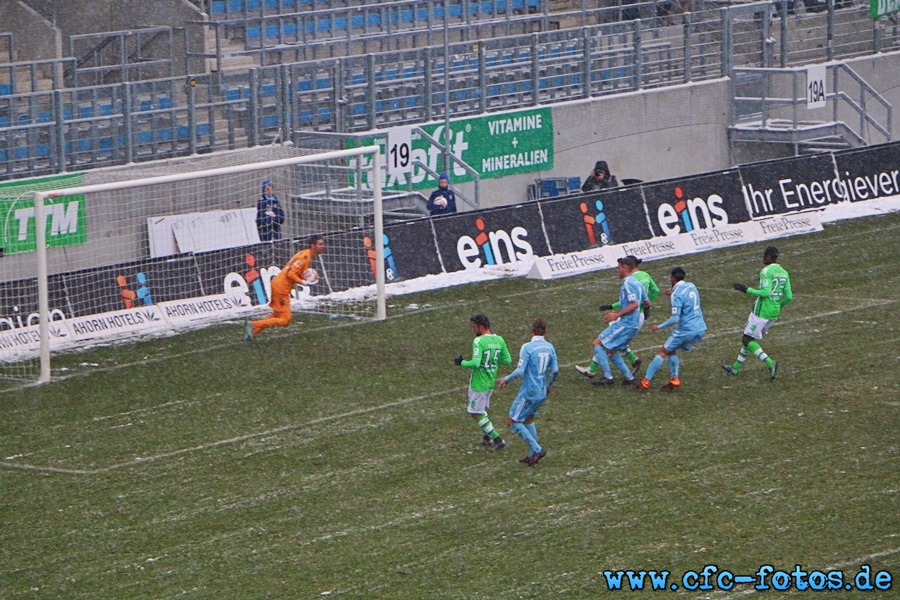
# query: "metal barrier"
67,129
770,105
117,56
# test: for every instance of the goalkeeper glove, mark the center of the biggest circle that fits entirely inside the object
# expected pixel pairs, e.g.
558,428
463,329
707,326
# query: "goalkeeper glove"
741,288
606,307
458,360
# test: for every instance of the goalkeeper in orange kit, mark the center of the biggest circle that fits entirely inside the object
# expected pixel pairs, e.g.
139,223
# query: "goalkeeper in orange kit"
282,284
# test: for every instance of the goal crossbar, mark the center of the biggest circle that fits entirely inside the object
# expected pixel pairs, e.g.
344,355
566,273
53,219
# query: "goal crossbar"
40,216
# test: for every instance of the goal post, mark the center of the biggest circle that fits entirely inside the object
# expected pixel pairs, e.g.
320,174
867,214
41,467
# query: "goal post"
153,255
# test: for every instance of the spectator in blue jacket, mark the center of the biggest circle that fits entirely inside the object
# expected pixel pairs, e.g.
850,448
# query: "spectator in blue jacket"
442,200
269,214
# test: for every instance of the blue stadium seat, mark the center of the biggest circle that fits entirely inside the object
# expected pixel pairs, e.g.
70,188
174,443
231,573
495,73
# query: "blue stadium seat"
217,7
42,150
86,112
304,85
270,121
20,153
253,33
5,89
145,105
305,116
4,122
267,90
203,129
143,137
164,135
107,109
83,145
162,102
44,116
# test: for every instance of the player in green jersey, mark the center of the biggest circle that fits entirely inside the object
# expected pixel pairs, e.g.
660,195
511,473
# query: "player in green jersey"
489,351
653,293
773,294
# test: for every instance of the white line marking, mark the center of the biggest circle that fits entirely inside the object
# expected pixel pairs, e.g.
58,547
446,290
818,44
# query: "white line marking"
235,440
402,402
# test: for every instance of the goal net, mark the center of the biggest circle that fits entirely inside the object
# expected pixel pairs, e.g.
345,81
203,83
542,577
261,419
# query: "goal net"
114,254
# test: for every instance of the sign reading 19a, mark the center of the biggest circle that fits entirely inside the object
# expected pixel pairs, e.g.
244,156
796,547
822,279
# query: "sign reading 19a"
399,151
816,94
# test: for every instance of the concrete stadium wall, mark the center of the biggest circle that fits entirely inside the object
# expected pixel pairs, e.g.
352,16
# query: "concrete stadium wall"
669,132
649,135
35,38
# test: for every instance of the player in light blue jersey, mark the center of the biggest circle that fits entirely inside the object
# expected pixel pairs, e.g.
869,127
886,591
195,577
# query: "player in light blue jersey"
538,367
687,314
623,326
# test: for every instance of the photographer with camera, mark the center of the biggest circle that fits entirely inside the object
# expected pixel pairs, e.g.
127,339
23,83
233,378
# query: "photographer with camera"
600,178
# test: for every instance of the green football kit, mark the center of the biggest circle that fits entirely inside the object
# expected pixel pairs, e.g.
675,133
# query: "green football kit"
774,292
489,351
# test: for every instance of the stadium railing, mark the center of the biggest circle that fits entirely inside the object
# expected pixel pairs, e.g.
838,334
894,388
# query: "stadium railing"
63,129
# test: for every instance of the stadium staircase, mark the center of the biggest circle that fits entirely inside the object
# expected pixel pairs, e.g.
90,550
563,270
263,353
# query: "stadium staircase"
770,107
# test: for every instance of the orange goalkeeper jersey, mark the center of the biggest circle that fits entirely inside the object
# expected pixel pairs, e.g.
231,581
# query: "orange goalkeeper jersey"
292,272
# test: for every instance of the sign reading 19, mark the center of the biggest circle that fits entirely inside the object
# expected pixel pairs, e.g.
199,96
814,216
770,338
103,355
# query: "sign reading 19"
399,151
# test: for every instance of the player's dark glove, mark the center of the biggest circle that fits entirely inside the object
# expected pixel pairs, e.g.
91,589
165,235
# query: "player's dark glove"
646,312
458,360
741,288
606,307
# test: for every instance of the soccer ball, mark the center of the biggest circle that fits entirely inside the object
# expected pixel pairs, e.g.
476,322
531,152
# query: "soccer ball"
440,202
310,276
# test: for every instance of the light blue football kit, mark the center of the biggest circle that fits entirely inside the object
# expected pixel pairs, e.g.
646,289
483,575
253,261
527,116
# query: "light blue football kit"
621,331
538,367
687,314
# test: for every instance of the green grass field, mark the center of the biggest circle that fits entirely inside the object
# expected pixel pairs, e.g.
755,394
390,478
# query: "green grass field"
336,459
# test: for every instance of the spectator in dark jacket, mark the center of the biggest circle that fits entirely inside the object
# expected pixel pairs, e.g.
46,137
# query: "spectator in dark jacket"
269,214
600,178
442,200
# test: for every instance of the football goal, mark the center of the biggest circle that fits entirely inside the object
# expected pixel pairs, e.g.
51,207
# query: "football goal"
137,252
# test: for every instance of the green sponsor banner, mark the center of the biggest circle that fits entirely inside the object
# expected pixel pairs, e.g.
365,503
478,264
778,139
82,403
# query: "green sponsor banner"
881,8
66,217
494,145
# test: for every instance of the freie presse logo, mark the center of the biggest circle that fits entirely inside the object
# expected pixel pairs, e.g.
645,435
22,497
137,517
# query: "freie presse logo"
687,214
493,247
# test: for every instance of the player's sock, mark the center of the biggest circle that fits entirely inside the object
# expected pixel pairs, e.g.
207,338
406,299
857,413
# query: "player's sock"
487,427
522,432
655,365
620,363
674,365
739,362
532,430
758,352
593,366
630,355
601,358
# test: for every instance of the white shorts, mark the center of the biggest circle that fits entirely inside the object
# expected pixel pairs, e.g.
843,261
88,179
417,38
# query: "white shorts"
479,402
757,327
